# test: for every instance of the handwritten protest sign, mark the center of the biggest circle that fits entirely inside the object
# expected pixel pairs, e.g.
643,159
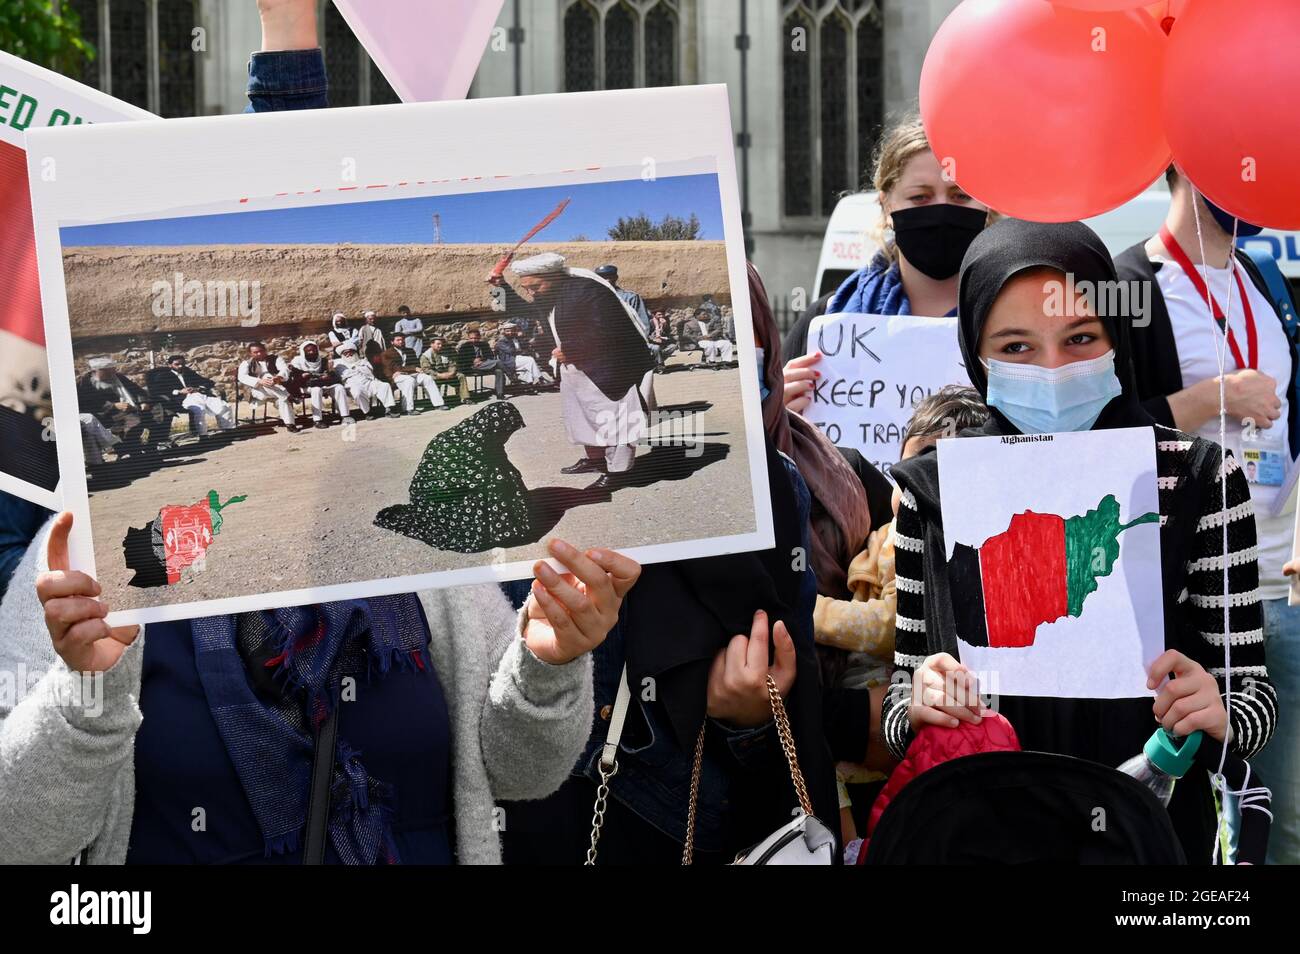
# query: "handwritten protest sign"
875,369
1055,580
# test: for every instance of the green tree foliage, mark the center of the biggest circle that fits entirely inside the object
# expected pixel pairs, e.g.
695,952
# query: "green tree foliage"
30,29
639,228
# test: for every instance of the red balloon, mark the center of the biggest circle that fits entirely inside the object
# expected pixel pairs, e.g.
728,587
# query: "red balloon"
1104,5
1166,12
1227,79
1046,113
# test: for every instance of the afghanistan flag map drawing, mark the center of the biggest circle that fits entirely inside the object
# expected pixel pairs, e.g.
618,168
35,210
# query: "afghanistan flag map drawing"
1041,568
177,538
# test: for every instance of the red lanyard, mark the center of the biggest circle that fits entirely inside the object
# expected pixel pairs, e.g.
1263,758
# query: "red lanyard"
1252,340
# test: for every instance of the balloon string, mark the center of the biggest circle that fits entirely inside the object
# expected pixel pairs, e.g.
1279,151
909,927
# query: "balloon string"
1221,348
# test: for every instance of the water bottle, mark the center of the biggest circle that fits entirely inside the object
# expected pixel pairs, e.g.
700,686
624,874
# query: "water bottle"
1163,760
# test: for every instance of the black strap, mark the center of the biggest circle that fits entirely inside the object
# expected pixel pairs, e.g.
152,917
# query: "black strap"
318,803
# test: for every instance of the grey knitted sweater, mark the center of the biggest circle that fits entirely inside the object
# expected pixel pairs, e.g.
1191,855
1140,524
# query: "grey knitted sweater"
67,771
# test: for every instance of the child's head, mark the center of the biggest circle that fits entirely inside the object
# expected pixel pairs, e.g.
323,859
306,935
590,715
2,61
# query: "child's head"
945,413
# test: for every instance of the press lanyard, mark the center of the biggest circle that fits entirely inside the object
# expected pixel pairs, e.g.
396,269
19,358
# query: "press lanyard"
1185,263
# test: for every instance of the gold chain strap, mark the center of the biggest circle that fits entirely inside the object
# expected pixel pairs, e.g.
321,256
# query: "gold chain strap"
688,852
598,812
791,757
787,743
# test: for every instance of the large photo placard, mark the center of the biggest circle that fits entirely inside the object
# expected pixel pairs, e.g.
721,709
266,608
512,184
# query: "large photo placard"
328,389
32,97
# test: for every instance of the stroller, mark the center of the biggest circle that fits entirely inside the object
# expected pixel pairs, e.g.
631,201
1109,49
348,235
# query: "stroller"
1015,807
1024,808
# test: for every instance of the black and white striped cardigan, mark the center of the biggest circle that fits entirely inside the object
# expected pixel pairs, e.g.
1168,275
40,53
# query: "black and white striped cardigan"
1181,460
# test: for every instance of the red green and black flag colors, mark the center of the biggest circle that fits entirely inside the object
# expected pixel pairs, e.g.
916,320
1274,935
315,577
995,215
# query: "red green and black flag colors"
177,538
1041,568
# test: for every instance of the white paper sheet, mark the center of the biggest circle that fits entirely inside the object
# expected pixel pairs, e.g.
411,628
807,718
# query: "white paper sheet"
1101,647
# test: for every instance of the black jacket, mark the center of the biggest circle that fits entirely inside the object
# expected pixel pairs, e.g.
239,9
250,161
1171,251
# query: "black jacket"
506,351
93,400
469,351
595,332
161,382
1155,349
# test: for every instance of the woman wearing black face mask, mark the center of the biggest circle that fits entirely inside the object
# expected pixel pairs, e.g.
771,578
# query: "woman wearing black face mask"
932,220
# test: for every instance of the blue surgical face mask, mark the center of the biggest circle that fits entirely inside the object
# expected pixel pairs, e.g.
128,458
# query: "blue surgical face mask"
763,389
1225,219
1052,400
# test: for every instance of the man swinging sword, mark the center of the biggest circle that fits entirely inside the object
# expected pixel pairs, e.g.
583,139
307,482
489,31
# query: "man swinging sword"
604,354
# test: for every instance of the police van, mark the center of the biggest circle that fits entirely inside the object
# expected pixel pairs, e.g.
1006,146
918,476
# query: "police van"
849,245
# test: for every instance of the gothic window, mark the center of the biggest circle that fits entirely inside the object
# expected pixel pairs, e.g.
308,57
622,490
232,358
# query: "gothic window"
87,15
580,48
177,58
796,96
619,44
660,46
144,51
130,58
832,86
620,48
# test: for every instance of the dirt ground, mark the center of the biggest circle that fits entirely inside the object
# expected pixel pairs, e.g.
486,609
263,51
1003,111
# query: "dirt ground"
312,496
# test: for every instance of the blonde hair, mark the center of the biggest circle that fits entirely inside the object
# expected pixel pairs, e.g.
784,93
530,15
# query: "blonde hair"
901,140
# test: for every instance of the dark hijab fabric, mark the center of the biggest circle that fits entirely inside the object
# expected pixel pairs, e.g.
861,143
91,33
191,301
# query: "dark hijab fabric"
1010,246
1105,731
841,518
680,614
1000,253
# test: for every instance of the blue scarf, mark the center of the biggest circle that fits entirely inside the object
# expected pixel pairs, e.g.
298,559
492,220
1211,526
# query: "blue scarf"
272,677
874,290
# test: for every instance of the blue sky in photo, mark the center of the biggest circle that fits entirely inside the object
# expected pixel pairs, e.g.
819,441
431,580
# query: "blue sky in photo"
490,217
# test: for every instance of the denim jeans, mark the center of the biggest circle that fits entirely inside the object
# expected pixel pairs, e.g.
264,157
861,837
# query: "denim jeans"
1279,762
286,79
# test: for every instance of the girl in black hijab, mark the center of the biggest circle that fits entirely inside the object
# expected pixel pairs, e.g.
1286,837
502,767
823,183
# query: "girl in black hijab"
1010,335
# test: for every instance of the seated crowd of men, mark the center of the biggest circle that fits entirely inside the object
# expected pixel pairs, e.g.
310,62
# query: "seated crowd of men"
367,372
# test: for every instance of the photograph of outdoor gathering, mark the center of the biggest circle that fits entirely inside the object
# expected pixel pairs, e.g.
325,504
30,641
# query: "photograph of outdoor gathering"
349,391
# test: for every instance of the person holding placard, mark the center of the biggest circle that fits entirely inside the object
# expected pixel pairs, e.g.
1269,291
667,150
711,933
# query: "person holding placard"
862,626
927,222
1176,356
1079,378
726,640
440,703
